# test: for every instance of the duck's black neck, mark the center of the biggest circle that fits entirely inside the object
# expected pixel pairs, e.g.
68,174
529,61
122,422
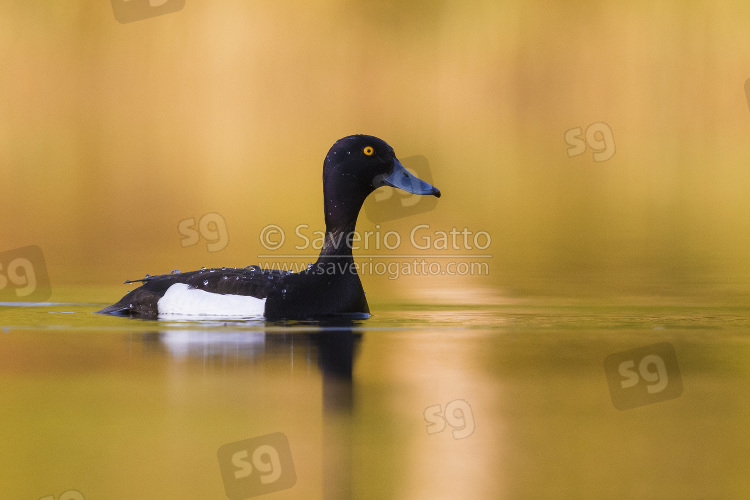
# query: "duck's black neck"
343,195
338,243
341,221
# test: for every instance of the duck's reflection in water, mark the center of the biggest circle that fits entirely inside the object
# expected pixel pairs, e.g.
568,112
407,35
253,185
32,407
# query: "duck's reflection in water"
337,349
183,344
332,345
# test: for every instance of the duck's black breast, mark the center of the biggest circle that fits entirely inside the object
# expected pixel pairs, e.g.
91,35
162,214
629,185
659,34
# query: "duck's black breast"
323,290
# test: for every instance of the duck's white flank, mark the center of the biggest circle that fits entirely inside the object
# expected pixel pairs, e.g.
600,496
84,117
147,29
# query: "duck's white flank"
183,300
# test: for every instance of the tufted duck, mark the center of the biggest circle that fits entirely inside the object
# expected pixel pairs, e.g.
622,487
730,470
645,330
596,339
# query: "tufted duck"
354,167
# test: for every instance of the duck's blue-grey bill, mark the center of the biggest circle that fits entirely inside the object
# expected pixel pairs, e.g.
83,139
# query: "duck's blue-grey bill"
402,179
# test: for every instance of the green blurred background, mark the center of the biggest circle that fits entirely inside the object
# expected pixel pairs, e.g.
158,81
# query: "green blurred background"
111,134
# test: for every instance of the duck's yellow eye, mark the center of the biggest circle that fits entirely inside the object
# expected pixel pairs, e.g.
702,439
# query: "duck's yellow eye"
369,151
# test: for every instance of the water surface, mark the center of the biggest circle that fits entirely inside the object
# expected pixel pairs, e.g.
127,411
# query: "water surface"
121,408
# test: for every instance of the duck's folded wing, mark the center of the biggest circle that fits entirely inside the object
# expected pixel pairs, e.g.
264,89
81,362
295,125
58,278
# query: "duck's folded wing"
205,284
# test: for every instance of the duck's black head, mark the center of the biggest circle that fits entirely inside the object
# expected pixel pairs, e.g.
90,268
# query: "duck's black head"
354,167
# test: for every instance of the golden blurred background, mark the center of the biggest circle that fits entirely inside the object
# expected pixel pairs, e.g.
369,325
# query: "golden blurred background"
112,134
